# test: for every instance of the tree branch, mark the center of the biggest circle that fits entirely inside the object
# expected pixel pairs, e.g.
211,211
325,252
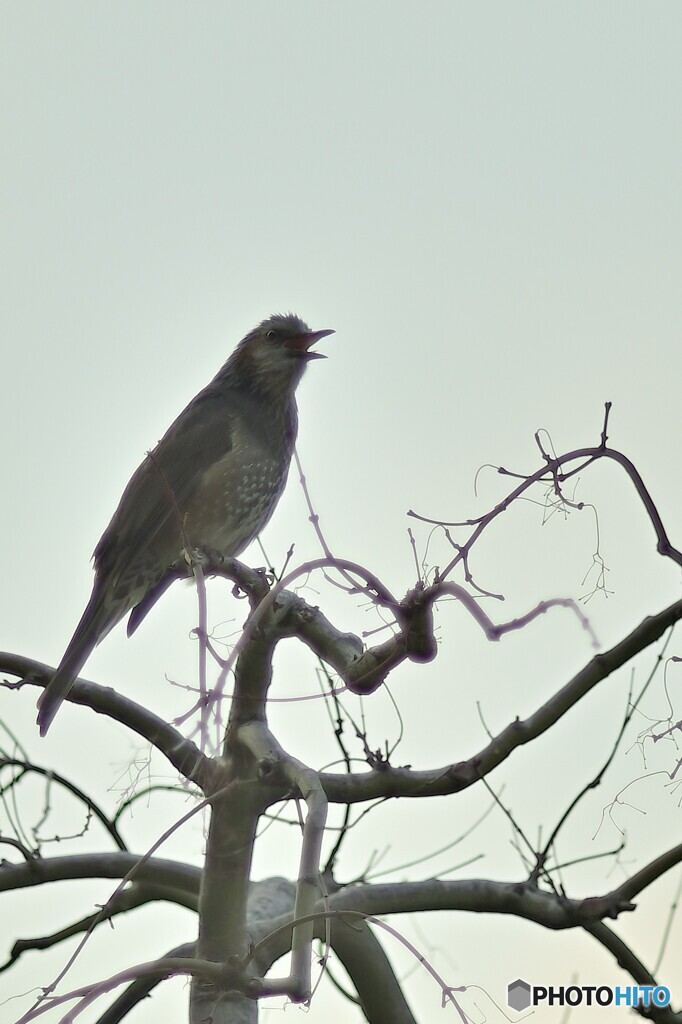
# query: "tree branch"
184,755
389,781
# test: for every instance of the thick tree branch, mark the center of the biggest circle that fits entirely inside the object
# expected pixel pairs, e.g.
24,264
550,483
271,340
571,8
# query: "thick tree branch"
137,896
649,873
154,870
630,963
305,782
388,781
141,989
184,755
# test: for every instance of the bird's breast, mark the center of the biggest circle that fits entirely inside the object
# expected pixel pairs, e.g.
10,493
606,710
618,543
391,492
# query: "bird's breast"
234,500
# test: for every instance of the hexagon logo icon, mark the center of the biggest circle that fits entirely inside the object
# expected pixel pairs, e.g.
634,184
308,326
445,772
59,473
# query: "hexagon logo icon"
518,995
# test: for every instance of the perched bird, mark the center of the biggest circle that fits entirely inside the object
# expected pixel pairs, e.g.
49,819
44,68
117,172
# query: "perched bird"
211,483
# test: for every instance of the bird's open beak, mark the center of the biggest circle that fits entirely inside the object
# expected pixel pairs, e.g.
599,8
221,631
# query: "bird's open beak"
302,343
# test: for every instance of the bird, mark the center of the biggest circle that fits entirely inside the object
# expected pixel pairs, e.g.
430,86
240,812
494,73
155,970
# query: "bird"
210,485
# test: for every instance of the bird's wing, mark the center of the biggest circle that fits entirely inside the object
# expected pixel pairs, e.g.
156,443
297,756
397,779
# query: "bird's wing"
164,483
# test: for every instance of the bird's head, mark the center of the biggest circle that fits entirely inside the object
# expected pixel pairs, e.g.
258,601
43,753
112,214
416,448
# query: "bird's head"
272,357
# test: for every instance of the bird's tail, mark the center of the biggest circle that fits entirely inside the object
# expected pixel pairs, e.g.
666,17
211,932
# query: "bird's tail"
98,618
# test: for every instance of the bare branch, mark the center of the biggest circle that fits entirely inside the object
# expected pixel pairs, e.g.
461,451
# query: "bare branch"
455,777
184,755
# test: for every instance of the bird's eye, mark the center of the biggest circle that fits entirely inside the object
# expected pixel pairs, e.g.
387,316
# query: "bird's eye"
270,335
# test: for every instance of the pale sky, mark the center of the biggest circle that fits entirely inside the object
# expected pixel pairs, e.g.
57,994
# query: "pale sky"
483,200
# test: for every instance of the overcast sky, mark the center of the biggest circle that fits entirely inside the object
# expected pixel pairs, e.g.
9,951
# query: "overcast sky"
483,200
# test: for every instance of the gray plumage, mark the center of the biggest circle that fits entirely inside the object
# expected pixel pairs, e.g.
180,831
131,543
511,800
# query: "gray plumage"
212,483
